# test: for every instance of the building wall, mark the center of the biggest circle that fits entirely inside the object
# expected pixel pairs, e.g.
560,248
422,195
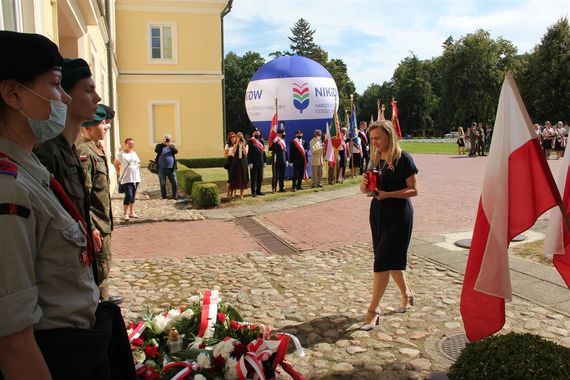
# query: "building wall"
182,96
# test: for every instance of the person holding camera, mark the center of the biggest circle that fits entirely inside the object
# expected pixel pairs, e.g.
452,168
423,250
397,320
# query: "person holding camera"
239,177
166,159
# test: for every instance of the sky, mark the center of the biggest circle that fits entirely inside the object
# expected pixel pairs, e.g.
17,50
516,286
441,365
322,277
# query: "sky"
372,37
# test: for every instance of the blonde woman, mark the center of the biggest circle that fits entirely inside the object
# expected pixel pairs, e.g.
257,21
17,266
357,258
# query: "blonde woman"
391,217
460,141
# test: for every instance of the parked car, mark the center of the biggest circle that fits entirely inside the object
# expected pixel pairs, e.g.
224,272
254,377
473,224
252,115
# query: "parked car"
450,135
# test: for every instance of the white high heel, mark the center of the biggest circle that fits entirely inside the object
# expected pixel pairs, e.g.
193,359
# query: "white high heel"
373,323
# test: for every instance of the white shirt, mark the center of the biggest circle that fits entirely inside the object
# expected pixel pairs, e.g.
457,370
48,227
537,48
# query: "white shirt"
130,173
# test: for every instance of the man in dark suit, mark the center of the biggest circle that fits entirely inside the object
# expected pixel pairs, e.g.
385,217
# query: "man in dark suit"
279,150
298,156
256,160
365,147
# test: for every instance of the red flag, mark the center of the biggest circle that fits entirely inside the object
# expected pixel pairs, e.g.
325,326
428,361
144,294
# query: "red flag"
517,188
395,121
557,241
330,154
273,128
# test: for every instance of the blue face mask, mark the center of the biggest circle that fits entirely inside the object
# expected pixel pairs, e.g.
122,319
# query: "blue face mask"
45,130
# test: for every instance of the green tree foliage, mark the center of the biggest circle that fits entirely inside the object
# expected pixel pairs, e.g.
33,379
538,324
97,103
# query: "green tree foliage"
238,72
367,105
302,42
471,71
545,80
412,89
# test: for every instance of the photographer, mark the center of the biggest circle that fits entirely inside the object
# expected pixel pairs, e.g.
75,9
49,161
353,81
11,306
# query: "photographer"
166,159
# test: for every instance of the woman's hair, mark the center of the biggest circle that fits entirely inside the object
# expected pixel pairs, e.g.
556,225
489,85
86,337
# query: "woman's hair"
394,151
460,129
229,139
129,139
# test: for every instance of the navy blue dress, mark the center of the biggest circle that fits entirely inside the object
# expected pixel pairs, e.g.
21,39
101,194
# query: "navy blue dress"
391,219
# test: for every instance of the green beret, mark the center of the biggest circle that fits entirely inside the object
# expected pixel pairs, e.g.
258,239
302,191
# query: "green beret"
72,71
27,55
103,113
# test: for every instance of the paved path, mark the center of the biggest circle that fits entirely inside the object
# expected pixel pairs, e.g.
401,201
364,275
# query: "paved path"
320,293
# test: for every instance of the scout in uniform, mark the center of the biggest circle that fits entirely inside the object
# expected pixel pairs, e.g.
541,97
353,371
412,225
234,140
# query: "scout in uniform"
59,155
52,323
94,161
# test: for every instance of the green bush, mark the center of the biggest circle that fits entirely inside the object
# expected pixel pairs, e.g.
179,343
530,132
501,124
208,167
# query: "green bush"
214,162
512,356
205,194
186,177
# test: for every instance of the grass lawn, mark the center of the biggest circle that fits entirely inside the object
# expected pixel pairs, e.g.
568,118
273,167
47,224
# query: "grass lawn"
533,252
219,176
429,147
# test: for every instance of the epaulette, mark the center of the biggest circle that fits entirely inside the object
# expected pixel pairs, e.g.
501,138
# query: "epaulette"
7,166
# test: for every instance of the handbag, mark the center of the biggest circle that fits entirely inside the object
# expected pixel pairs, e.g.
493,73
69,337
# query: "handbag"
153,166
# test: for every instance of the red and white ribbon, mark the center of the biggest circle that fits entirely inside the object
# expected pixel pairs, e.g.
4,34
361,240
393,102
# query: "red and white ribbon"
137,331
209,313
182,374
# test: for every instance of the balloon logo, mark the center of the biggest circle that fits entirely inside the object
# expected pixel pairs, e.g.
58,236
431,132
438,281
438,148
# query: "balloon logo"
300,96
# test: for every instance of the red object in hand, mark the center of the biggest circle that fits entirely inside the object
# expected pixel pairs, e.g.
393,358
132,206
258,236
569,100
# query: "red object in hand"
373,182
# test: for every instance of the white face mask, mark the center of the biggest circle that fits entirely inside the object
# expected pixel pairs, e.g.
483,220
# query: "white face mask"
45,130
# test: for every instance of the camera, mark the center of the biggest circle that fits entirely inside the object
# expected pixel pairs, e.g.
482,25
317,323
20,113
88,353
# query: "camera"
166,140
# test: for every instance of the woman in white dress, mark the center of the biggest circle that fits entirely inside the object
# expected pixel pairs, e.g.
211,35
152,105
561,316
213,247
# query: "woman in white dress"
127,164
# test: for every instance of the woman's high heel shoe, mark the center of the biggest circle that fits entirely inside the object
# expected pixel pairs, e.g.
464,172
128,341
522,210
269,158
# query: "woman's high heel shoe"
411,302
373,323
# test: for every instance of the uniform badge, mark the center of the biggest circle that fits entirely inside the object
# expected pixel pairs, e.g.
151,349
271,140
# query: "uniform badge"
84,257
82,158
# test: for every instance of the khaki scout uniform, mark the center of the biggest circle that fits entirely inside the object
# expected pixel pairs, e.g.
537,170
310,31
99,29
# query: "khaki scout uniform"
94,162
43,282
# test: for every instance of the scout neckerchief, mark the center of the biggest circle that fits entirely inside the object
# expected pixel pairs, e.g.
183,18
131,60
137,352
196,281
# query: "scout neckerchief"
257,143
301,150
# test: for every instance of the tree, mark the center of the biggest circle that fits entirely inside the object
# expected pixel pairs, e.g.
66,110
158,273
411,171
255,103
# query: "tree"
545,81
471,72
412,90
238,72
302,40
367,104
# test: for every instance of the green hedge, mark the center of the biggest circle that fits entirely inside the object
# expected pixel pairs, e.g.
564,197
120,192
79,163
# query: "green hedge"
205,194
213,162
186,177
512,356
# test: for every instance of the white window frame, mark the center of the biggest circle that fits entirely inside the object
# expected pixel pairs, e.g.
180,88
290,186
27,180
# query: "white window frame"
18,19
161,24
177,134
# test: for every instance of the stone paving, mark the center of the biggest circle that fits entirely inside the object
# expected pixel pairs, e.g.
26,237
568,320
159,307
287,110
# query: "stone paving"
320,294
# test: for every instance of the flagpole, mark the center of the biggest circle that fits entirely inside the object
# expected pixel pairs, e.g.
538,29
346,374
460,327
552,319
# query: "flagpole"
351,141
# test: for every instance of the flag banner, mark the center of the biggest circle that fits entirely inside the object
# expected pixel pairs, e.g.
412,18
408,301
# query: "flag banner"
353,124
517,188
330,155
395,120
335,139
557,240
273,128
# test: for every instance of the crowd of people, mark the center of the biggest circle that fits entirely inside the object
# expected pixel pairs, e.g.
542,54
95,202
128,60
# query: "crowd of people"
475,140
551,138
246,159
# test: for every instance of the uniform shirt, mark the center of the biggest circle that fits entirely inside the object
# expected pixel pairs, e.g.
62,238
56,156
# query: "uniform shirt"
96,168
42,281
130,167
62,161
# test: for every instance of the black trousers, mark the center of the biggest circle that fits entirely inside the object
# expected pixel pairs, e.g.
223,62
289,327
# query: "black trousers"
278,175
364,162
256,178
100,353
298,174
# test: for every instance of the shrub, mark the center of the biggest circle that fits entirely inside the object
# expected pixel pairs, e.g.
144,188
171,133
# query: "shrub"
205,194
512,356
186,178
214,162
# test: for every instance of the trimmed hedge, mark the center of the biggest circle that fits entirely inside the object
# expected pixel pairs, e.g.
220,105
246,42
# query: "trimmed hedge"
512,356
186,177
213,162
205,194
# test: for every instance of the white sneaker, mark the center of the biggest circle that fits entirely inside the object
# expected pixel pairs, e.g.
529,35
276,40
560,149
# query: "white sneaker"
126,217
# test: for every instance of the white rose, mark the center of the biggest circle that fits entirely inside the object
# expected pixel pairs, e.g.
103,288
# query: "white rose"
199,377
139,356
159,324
224,348
188,313
194,299
231,369
203,361
150,363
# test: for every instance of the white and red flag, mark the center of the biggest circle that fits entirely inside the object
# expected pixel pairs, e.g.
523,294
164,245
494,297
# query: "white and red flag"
273,128
517,188
557,241
330,154
395,120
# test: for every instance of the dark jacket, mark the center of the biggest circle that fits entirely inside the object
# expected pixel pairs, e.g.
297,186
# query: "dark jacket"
295,155
158,151
255,156
279,154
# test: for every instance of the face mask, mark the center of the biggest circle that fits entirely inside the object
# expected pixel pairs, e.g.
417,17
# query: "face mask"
283,135
299,137
48,129
256,136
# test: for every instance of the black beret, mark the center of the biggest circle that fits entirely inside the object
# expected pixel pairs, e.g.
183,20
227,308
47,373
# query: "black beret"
27,55
73,70
103,113
298,131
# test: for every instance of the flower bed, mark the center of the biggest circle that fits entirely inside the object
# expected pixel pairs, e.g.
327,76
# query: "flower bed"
208,339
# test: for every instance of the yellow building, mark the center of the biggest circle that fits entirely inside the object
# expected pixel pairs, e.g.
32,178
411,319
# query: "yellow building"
169,58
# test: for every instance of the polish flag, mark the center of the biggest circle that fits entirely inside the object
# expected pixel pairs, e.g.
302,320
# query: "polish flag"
557,241
330,154
517,188
273,128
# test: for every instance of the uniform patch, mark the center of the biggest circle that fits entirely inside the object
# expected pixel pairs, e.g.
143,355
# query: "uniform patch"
14,209
82,158
7,167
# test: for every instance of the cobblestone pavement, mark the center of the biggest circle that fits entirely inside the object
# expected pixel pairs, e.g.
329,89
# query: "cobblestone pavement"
320,294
